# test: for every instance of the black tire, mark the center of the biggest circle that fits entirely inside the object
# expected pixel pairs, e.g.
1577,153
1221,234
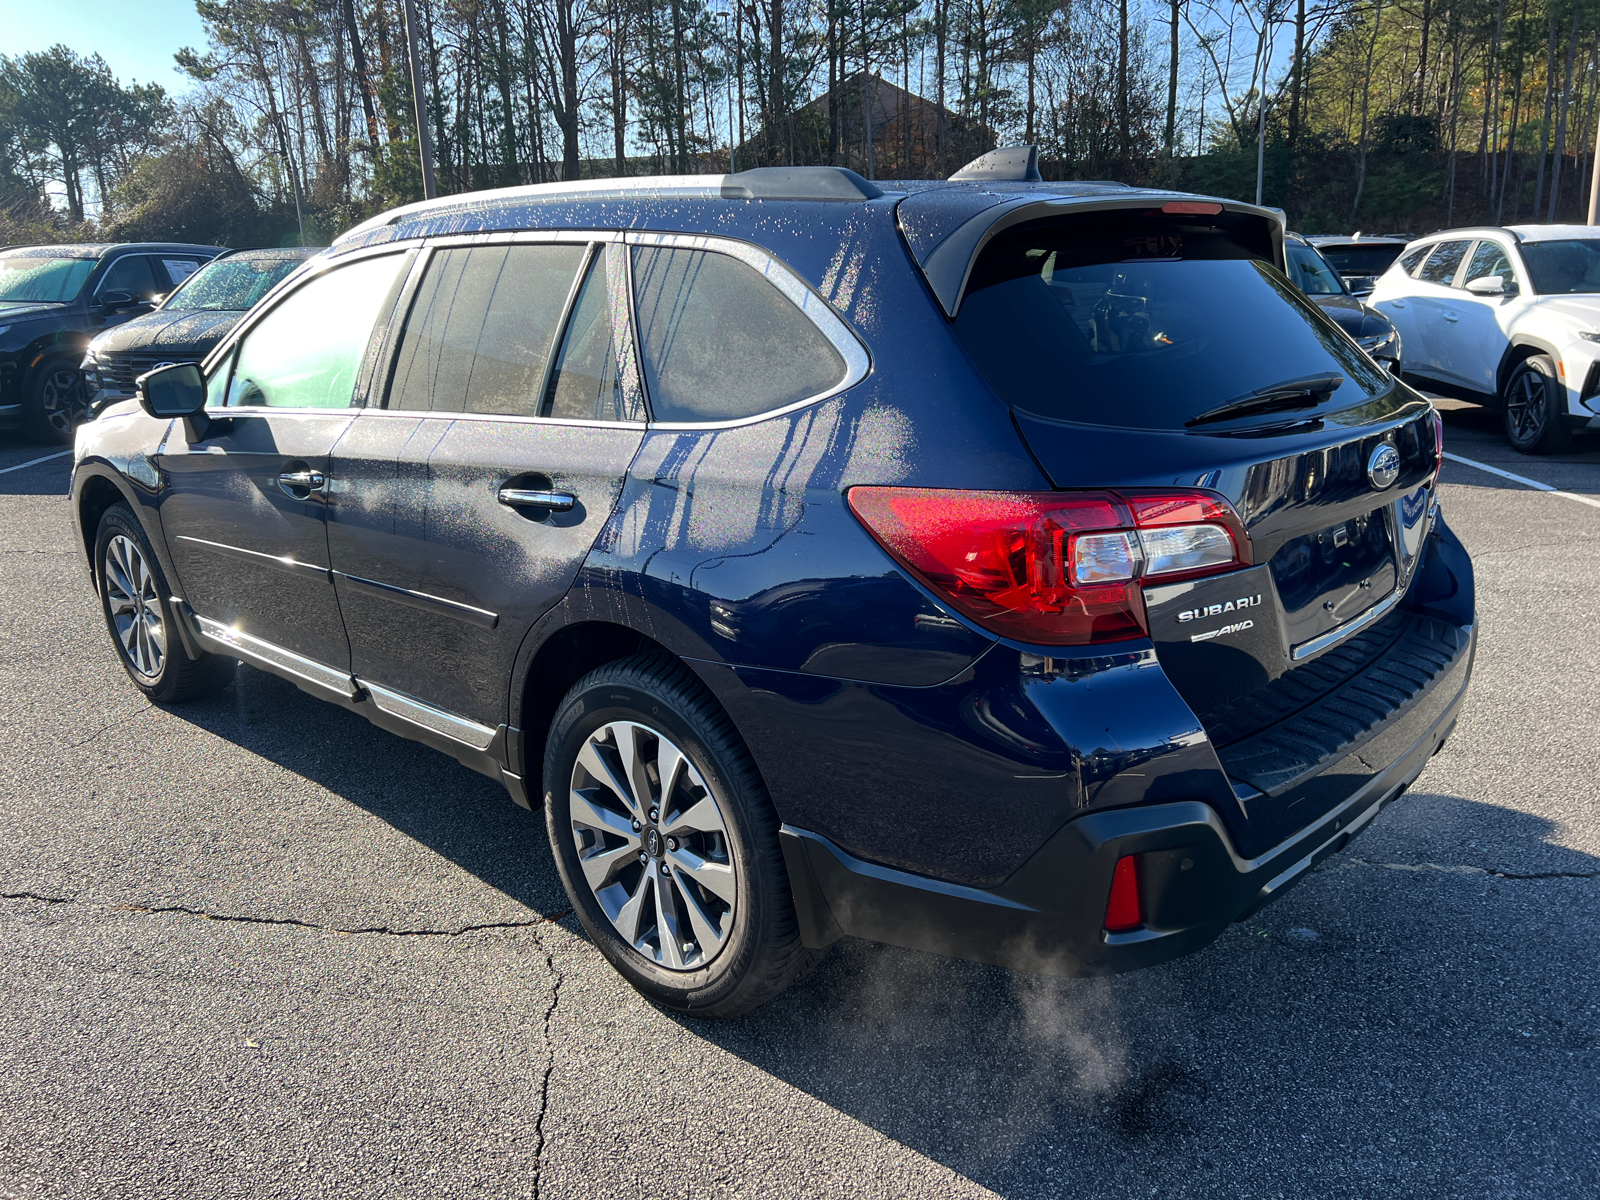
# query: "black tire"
1534,408
760,953
131,593
57,400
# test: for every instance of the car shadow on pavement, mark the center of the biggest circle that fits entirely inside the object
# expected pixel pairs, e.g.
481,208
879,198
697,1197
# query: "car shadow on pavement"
1415,1008
428,796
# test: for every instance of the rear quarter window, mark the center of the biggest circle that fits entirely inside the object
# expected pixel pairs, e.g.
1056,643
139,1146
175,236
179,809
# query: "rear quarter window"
720,343
1142,321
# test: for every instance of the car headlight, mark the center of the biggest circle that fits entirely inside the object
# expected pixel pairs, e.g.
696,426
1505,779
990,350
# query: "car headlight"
1585,334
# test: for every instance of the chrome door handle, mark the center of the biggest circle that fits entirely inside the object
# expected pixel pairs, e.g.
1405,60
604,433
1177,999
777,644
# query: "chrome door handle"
527,498
312,481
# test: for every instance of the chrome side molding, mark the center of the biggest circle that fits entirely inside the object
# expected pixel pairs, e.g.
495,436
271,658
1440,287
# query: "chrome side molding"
418,712
227,640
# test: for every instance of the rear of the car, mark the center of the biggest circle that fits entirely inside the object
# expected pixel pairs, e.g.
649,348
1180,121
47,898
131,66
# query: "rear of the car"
1240,565
1359,260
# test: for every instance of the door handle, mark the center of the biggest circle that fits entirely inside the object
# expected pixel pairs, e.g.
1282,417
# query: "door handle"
1397,304
529,498
301,481
1450,316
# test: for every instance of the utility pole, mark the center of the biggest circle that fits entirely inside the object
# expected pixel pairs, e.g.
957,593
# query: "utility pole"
1594,179
419,101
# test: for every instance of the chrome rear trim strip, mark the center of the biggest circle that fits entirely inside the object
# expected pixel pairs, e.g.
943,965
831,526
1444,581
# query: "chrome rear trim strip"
231,641
481,617
1334,636
408,708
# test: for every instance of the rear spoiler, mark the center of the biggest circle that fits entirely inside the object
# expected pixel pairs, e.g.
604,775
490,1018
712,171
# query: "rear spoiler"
948,261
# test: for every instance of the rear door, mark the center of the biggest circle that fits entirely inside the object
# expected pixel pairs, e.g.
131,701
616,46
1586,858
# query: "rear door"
1435,303
244,507
465,506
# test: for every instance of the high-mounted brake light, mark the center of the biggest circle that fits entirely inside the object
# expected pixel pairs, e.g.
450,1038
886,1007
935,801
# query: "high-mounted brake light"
1197,207
1125,906
1053,568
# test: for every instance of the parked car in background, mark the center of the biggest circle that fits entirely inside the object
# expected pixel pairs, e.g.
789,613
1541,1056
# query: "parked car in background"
1014,570
1313,275
1506,317
193,318
53,300
1359,258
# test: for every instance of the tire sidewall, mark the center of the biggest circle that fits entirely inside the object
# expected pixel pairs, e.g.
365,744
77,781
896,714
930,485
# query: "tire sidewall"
120,520
588,707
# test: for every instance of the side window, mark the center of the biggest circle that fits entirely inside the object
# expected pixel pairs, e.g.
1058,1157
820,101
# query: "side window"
131,273
720,342
217,384
596,377
481,328
1442,263
1410,260
1489,259
306,352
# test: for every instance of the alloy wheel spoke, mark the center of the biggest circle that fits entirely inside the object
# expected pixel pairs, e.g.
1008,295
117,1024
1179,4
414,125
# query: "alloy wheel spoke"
707,932
600,865
600,770
633,763
632,913
717,878
701,817
668,933
670,763
586,812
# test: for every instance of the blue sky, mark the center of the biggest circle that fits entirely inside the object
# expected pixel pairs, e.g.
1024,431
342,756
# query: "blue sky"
137,38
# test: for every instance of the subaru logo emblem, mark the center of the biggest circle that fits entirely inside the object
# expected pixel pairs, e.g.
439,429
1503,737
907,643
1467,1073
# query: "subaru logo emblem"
1383,468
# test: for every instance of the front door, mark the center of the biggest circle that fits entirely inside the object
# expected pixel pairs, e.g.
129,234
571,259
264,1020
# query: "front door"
463,510
1471,340
244,506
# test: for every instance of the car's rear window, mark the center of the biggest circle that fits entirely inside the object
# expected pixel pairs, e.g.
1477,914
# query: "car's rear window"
1143,321
1360,260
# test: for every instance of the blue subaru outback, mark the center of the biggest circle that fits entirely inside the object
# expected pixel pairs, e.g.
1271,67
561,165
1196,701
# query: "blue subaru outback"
1018,571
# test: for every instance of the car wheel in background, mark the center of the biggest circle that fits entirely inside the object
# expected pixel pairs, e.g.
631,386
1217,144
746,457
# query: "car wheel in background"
1534,408
138,611
57,400
667,841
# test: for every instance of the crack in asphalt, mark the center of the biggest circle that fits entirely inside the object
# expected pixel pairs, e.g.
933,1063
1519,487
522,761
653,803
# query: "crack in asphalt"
549,1068
1466,870
117,720
248,919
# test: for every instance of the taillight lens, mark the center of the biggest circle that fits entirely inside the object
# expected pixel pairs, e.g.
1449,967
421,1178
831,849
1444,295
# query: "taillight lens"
1054,568
1125,906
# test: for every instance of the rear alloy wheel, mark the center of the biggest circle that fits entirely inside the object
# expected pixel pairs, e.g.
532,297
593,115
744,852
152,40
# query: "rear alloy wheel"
59,402
138,612
667,841
1535,408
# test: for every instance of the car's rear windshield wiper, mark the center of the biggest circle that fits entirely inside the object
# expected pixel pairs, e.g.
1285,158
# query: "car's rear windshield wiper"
1305,392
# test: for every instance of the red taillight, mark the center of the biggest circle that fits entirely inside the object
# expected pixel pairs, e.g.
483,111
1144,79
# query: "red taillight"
1053,568
1125,907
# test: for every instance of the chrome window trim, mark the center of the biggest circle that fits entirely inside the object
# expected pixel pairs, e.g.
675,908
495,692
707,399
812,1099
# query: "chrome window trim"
858,362
522,237
418,414
427,716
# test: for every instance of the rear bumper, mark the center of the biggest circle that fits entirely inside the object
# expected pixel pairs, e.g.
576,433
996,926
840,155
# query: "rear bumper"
1047,917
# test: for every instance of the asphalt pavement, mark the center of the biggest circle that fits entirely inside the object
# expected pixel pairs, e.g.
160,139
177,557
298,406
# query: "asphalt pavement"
255,947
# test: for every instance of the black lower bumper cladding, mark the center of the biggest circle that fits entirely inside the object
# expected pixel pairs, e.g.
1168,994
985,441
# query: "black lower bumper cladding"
1048,917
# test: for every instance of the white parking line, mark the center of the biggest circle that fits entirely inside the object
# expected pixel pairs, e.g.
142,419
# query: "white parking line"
33,462
1524,480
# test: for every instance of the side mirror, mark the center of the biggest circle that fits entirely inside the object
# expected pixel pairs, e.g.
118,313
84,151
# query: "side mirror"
1487,285
116,301
176,391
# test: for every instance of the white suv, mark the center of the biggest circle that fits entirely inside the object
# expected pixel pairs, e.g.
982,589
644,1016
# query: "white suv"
1505,317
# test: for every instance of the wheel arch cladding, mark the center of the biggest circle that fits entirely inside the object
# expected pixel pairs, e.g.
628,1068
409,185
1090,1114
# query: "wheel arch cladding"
1520,350
97,495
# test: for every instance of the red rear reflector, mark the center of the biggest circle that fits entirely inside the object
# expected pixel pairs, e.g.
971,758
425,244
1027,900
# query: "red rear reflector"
1052,568
1197,207
1124,910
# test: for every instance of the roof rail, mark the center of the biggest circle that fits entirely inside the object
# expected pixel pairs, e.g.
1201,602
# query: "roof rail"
798,183
1008,164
